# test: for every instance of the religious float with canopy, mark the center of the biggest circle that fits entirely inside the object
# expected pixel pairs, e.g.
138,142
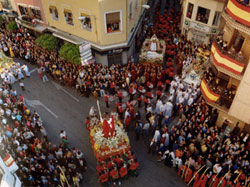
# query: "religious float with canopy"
153,51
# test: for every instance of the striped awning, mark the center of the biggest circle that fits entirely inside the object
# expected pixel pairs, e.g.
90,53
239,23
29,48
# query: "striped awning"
239,12
208,93
225,61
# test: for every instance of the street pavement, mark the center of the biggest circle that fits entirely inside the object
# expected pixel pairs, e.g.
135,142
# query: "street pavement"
62,108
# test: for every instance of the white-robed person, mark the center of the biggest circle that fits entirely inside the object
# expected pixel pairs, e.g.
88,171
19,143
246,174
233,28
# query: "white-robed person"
26,70
11,78
169,109
20,73
158,105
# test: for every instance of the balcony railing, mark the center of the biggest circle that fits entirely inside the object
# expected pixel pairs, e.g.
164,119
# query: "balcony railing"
232,62
216,93
27,21
5,5
239,12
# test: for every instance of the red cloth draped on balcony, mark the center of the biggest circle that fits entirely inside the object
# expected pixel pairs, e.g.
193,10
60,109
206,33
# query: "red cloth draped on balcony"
208,93
225,61
239,12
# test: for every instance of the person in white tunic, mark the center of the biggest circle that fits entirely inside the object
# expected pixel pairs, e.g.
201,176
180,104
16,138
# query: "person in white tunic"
163,108
26,70
171,98
20,74
157,108
190,101
12,78
169,109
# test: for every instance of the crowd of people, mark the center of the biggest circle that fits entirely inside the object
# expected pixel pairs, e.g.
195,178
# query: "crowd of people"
197,147
230,51
219,86
244,2
203,153
117,168
24,137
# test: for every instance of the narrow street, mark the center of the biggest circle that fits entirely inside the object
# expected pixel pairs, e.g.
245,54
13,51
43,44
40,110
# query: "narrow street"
61,108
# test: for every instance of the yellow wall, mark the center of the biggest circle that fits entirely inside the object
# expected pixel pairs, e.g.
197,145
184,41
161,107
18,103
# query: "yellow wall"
240,107
224,116
106,6
97,10
89,6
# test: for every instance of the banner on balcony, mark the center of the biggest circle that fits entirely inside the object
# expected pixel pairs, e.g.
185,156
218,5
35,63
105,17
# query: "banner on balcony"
239,12
226,62
207,93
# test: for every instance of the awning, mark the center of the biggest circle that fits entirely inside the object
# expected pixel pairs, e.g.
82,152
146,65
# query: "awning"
207,93
67,37
52,7
225,61
67,11
37,28
239,12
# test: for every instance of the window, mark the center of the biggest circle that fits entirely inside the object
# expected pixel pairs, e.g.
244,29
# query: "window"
86,21
202,15
54,13
68,17
113,22
23,10
36,13
131,9
216,18
190,10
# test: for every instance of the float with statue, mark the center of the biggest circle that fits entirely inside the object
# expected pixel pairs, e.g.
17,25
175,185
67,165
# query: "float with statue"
194,72
153,51
107,136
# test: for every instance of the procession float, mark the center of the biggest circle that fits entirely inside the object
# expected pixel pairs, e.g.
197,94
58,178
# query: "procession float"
153,51
194,73
5,62
107,136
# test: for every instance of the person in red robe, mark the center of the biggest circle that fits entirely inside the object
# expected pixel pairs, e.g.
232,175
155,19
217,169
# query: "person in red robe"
108,128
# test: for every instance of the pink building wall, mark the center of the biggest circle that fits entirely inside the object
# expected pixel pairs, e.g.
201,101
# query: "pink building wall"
35,3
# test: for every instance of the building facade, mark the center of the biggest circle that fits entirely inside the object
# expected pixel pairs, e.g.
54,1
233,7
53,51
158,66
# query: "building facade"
110,27
8,8
31,15
201,18
230,56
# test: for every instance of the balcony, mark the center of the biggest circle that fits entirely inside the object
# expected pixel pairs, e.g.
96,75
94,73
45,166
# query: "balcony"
216,91
230,63
5,5
26,20
239,12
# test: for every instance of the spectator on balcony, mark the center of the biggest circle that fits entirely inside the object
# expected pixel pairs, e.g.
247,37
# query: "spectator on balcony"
240,56
231,50
225,46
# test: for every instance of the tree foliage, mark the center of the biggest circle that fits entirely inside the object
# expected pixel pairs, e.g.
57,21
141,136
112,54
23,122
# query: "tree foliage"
12,26
47,41
70,52
1,20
